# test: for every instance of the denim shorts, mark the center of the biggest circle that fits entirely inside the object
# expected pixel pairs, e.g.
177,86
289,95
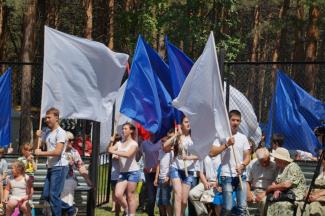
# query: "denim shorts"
177,173
164,192
133,176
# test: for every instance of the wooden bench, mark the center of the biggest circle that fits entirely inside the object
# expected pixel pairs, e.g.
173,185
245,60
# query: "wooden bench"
81,194
307,167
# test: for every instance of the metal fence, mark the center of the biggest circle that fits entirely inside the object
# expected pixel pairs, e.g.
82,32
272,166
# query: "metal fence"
254,80
103,180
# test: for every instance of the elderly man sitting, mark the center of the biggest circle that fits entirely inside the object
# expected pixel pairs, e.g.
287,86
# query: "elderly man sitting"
288,187
261,172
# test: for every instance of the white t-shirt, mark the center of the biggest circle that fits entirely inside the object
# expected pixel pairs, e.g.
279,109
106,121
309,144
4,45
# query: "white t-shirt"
259,176
127,164
150,153
52,138
228,165
209,166
179,163
305,155
165,160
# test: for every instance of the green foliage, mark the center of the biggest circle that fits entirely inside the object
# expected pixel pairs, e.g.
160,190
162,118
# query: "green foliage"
187,23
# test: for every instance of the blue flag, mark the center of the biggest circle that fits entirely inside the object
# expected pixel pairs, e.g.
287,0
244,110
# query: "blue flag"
5,110
146,100
179,65
294,114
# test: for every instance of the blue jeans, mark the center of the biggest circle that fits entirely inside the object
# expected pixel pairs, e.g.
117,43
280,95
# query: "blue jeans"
230,184
53,187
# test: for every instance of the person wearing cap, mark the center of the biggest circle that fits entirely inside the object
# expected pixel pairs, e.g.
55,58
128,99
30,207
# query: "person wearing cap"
261,172
288,187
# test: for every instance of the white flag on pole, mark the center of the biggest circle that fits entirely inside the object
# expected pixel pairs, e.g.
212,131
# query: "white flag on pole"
120,119
201,100
79,76
249,124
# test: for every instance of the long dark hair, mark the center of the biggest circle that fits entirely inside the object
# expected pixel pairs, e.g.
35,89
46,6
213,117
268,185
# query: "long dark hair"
132,128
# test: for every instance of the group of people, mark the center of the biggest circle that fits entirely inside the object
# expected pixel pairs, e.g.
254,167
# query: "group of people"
62,159
222,183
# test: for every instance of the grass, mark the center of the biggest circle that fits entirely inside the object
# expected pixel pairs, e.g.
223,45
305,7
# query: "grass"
105,210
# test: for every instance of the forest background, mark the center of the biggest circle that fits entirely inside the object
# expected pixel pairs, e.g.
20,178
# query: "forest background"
247,30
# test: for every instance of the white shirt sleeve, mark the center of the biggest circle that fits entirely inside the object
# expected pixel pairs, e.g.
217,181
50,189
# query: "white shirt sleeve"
61,136
246,144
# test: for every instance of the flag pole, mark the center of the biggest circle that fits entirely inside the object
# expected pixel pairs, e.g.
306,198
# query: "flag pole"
221,70
39,128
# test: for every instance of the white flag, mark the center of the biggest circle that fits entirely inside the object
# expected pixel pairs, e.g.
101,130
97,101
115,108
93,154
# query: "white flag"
79,75
120,119
249,124
201,100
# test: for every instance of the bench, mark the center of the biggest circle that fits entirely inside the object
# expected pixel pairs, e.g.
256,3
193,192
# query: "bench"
81,193
307,167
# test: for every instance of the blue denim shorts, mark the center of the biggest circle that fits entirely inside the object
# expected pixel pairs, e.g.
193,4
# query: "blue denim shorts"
133,176
177,173
164,192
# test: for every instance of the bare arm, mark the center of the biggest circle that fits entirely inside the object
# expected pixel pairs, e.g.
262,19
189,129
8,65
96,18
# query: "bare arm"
241,167
54,153
30,189
84,173
247,157
132,150
281,186
167,146
112,148
155,182
6,192
215,150
204,180
190,157
250,196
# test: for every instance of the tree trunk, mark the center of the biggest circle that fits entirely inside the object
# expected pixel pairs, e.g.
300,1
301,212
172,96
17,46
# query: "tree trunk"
299,51
3,34
111,24
254,55
52,13
27,54
312,38
261,84
89,18
278,42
